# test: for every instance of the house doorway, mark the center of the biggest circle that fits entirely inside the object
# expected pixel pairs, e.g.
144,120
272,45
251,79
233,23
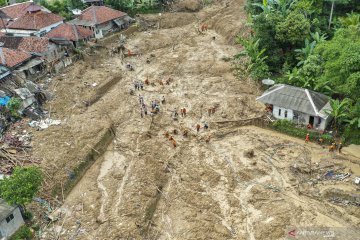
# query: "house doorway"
311,120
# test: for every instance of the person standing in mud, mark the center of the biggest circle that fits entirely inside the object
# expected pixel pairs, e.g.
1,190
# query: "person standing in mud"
197,127
340,146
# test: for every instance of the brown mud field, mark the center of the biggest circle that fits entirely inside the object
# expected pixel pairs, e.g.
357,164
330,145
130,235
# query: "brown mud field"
144,188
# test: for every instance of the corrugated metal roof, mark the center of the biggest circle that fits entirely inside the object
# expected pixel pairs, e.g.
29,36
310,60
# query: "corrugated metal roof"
295,98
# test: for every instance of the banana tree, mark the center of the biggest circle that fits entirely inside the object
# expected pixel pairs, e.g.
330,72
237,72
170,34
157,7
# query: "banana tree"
339,110
265,6
354,115
317,37
303,53
352,21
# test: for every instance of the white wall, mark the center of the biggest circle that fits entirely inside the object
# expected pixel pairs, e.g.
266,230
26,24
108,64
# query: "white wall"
48,28
27,33
303,118
289,116
7,229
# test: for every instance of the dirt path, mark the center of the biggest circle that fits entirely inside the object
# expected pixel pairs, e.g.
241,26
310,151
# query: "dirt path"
142,187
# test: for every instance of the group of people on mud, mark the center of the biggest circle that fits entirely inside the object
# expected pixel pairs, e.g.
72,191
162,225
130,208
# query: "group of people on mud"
332,148
170,135
155,108
155,104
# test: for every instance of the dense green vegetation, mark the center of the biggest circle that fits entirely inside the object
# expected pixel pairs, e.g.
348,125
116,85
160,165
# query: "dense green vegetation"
24,233
21,186
313,44
143,6
64,7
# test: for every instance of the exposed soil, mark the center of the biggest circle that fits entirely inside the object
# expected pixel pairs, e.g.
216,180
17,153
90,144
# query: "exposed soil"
143,187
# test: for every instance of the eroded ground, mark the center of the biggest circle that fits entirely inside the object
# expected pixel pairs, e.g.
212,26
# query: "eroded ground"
143,187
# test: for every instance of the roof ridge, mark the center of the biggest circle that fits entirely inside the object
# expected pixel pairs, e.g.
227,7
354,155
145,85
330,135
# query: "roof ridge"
281,86
311,101
15,4
75,32
3,60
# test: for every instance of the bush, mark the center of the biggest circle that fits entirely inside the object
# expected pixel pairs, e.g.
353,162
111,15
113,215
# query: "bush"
289,128
351,135
14,105
27,215
24,233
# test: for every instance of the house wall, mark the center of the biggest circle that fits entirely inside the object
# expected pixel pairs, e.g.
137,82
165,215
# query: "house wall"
300,118
54,52
27,33
7,229
47,29
289,116
325,123
102,29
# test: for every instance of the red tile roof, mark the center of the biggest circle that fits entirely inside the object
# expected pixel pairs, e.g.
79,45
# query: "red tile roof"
3,23
35,20
11,57
100,14
27,44
16,10
70,32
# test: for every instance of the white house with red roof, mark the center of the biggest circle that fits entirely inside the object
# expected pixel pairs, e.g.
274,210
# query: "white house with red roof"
102,20
29,19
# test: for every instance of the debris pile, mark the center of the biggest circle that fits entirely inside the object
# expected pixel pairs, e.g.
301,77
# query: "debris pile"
44,123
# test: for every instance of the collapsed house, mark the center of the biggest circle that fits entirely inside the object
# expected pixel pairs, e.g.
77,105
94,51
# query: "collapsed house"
300,105
102,20
45,52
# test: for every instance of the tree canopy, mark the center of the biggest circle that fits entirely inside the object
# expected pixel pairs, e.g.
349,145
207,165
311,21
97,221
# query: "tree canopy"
21,186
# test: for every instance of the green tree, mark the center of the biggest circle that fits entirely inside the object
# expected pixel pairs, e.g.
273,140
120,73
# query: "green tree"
3,3
257,67
351,21
14,105
303,53
341,63
332,8
75,4
265,30
354,115
21,186
294,30
339,110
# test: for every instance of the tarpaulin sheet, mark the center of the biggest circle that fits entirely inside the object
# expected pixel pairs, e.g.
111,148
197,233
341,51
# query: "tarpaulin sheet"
4,100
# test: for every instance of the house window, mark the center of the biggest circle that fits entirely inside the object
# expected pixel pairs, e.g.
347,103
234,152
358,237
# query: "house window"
9,218
285,113
319,120
279,111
